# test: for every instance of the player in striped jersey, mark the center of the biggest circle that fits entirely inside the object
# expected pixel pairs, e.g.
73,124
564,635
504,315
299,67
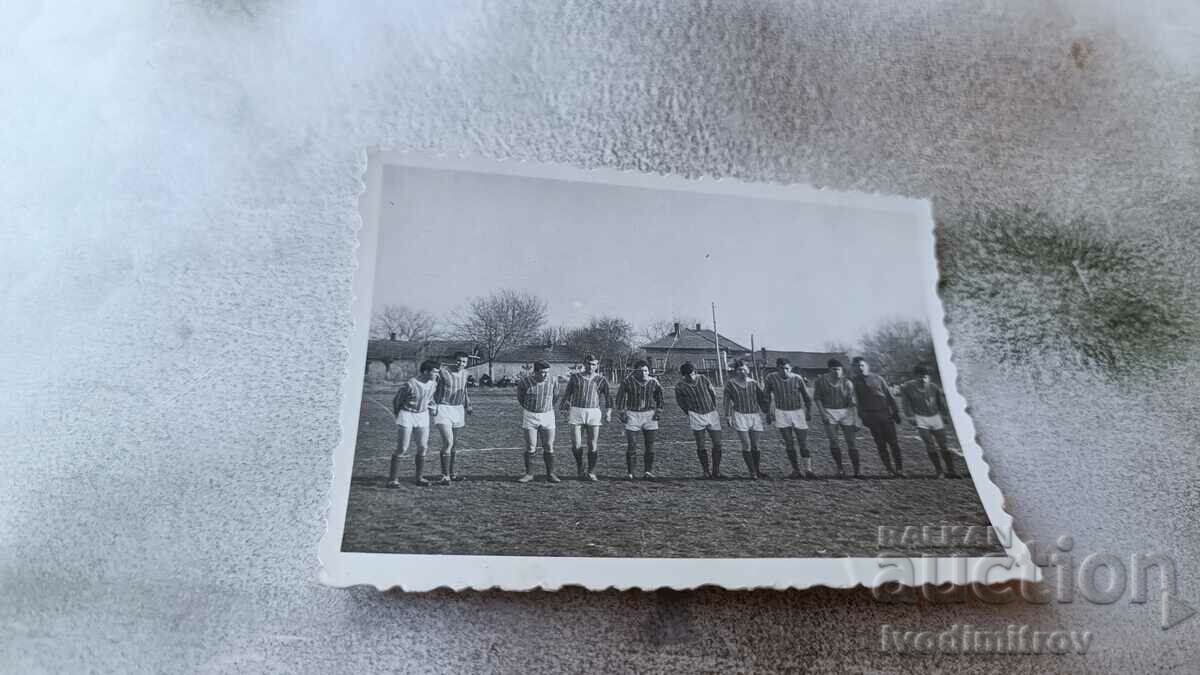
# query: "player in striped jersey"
744,401
582,399
537,393
412,404
833,393
640,402
791,412
453,405
695,395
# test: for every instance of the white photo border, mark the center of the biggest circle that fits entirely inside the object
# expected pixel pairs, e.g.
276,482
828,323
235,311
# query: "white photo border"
419,572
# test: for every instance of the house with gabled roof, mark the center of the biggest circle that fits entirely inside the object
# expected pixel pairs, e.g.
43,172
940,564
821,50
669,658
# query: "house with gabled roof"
691,343
518,361
395,359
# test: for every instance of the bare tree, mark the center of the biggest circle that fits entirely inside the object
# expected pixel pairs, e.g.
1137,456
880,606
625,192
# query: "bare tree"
554,335
401,322
609,338
839,347
897,346
500,321
657,329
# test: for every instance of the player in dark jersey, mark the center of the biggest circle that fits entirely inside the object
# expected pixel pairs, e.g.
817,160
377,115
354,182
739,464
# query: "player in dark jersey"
925,407
640,402
791,413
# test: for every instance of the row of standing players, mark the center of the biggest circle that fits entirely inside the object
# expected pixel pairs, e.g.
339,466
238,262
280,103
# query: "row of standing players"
439,397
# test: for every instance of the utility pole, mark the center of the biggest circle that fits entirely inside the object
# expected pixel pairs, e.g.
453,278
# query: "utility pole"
717,341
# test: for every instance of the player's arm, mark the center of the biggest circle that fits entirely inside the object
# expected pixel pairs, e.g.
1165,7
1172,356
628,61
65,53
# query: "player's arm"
467,401
764,399
906,402
566,397
943,406
400,399
680,401
728,403
521,389
891,400
622,394
658,400
807,398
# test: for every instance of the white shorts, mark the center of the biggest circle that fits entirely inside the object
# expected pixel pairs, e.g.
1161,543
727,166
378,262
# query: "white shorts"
453,416
585,416
841,416
790,418
702,421
413,420
932,422
542,420
748,421
640,421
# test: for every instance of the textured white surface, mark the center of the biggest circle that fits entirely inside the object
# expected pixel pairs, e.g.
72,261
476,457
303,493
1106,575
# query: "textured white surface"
178,185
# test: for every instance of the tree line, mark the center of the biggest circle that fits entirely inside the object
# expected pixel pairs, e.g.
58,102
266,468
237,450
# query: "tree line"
508,318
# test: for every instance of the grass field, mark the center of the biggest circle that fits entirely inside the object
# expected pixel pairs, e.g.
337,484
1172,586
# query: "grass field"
678,515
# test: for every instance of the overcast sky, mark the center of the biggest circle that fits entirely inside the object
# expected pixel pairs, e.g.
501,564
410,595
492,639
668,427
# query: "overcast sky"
793,274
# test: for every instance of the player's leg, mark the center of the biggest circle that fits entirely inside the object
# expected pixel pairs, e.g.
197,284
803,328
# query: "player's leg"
755,453
878,435
892,440
744,437
850,433
531,442
789,444
648,436
577,446
593,451
447,434
715,436
403,439
547,434
927,438
947,457
701,451
630,451
831,433
805,456
422,438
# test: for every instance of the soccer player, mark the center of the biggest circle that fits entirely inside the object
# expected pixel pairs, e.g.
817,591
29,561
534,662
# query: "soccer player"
453,403
698,399
412,405
879,412
744,400
583,396
925,407
792,411
536,393
833,393
640,402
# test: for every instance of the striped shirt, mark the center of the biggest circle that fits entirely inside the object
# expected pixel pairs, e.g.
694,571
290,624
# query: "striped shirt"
696,396
789,391
585,392
414,396
833,393
746,399
537,396
639,396
923,399
452,387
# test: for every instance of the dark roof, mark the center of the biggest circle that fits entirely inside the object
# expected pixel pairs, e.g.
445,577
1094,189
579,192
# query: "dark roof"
805,360
408,350
531,353
690,338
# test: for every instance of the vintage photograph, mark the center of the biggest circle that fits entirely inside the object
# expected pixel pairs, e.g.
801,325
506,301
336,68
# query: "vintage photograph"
562,364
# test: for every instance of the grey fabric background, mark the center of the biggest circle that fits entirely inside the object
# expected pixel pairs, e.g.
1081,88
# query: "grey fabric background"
178,183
